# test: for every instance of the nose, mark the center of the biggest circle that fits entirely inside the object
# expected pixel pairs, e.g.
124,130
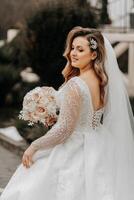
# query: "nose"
74,52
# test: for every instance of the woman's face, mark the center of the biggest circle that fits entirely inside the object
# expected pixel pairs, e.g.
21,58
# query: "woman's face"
80,53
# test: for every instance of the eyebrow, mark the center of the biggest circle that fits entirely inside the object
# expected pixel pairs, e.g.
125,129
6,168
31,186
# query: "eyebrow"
78,46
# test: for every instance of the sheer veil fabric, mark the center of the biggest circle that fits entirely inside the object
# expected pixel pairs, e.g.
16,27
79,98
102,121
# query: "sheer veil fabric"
118,118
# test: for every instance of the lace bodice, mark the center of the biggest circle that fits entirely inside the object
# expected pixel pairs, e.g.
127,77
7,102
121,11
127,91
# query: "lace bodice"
88,117
76,111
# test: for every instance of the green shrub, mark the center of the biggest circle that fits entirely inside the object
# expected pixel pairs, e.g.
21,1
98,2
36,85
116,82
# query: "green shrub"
8,77
46,35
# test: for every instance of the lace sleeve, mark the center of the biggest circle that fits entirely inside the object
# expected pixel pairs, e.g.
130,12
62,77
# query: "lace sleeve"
69,113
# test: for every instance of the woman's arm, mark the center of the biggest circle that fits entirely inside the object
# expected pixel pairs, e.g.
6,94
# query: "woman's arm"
69,113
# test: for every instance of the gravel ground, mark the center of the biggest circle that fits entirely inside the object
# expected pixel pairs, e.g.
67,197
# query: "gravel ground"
8,164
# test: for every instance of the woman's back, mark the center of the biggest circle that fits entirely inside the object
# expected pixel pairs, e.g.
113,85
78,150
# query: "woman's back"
93,84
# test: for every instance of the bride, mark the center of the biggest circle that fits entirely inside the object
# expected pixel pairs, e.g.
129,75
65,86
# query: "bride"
89,153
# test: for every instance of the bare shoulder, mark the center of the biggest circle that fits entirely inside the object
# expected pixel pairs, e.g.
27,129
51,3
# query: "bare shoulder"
93,84
94,87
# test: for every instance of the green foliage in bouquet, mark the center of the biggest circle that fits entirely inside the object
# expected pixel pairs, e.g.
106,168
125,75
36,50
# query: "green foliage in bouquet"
30,133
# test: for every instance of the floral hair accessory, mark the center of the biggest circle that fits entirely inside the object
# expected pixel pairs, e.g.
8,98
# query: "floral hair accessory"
93,44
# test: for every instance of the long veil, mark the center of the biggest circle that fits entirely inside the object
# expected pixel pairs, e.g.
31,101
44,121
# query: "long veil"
118,118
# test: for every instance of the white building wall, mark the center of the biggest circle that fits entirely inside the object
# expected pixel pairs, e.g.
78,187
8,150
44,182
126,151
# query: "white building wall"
118,11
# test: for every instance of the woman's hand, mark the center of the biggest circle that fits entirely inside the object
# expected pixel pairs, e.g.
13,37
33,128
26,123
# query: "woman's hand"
27,157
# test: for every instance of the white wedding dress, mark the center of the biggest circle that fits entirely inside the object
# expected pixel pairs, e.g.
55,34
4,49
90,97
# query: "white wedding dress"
73,161
83,156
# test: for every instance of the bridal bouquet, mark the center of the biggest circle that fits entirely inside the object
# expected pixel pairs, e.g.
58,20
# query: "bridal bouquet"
39,105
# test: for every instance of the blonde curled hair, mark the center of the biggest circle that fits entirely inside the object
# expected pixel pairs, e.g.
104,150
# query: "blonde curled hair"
98,64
